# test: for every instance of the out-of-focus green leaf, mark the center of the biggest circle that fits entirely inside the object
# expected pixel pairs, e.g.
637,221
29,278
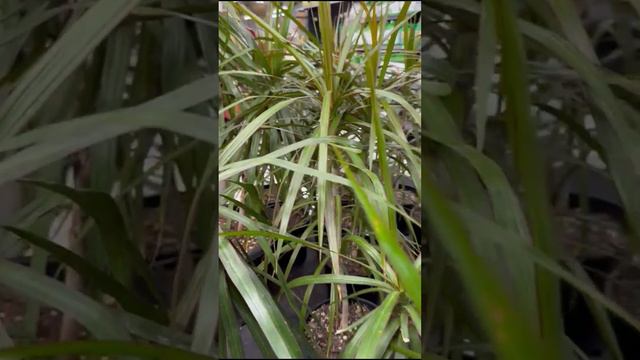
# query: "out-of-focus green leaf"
80,134
64,56
97,277
530,168
95,317
123,256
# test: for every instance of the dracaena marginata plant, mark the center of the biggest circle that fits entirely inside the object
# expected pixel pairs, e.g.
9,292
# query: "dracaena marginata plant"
517,95
317,135
100,103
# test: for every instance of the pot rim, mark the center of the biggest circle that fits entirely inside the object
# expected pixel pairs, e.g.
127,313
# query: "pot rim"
370,304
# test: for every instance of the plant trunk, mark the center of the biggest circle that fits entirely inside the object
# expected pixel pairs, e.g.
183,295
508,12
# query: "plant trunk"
332,221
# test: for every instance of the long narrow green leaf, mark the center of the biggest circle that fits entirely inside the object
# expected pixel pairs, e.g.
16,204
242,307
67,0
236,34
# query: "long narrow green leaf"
186,96
95,317
236,144
260,303
391,42
60,60
80,134
325,117
530,170
407,273
124,258
207,314
511,335
326,35
228,321
366,343
96,277
338,279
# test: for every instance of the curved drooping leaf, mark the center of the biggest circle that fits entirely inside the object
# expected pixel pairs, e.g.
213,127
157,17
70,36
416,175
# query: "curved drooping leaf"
264,309
81,133
511,335
97,277
31,285
227,153
507,238
339,279
124,257
182,98
366,343
207,315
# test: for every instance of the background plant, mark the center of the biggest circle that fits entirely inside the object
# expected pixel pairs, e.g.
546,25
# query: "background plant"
539,98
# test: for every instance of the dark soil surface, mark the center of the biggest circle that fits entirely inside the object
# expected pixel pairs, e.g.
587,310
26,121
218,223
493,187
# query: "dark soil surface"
317,330
245,244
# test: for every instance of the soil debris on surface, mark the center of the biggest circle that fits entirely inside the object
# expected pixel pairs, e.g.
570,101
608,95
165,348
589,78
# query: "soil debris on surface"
318,325
247,244
406,197
244,244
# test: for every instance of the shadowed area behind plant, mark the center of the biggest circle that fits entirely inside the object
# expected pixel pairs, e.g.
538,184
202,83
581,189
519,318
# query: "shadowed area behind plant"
533,139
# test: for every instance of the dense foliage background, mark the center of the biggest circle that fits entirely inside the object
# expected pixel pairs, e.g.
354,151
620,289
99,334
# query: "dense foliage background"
107,107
